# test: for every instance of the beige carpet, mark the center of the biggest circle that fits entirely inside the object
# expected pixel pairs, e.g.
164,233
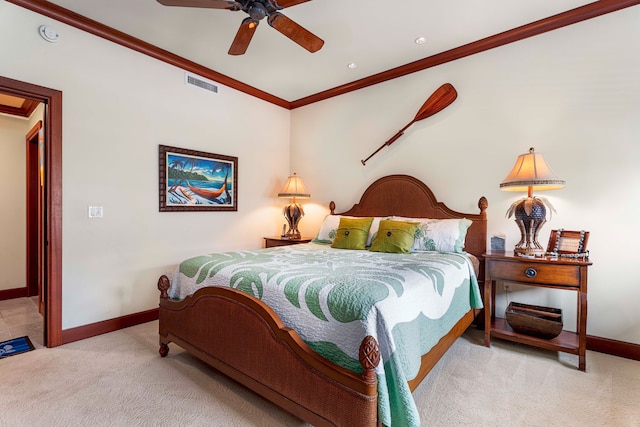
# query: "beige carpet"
118,379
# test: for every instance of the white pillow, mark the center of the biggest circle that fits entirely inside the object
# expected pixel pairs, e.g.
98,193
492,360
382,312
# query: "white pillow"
330,226
442,235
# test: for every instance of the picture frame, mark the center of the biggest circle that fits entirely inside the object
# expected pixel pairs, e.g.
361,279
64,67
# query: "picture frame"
566,243
191,180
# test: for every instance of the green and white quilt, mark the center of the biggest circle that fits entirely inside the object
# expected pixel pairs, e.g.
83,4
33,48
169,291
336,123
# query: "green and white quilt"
333,298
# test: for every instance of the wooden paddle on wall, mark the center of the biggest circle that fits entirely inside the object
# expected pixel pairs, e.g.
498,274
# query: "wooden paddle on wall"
438,101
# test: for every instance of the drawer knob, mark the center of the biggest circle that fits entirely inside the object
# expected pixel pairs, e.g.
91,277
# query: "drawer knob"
530,272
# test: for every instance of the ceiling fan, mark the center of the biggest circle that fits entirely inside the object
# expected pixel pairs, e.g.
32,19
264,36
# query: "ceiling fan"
257,10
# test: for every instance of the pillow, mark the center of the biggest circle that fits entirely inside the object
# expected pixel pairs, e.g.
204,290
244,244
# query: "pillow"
352,233
442,235
330,225
394,236
328,229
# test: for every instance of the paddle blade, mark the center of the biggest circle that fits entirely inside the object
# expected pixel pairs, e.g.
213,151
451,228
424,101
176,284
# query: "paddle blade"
438,101
295,32
289,3
210,4
243,37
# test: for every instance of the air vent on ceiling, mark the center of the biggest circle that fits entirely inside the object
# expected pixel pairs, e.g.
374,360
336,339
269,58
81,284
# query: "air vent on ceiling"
201,82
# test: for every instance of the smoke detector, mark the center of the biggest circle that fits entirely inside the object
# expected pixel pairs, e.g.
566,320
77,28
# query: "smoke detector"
48,33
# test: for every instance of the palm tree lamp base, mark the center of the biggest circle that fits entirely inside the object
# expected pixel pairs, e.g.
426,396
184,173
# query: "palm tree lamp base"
293,213
530,215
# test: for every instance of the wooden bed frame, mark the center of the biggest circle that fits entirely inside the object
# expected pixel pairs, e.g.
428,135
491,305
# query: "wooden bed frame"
245,339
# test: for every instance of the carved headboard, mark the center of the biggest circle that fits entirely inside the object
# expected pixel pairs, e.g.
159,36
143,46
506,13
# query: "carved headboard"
403,195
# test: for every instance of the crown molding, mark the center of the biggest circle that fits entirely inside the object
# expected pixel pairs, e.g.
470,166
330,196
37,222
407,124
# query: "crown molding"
83,23
573,16
570,17
25,110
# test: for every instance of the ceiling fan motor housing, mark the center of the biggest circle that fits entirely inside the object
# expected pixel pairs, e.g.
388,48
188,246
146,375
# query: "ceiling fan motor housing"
258,9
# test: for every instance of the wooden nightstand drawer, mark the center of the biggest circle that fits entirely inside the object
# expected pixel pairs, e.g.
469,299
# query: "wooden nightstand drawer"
271,242
523,271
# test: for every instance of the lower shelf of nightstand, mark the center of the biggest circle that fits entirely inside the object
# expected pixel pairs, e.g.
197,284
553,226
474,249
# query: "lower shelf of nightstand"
567,342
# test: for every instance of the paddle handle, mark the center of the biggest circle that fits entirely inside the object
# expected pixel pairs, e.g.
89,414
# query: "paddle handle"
438,101
389,142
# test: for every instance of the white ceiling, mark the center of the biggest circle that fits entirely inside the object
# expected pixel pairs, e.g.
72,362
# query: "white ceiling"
377,35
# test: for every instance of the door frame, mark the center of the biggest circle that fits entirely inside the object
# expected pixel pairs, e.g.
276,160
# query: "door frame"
53,201
34,210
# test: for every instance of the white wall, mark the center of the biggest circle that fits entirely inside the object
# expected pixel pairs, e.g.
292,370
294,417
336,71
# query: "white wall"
118,106
13,206
573,94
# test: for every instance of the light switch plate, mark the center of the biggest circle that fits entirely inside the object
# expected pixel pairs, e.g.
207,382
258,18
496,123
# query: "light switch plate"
95,212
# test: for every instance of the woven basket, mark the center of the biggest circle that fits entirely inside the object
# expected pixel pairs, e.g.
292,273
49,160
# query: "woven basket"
543,322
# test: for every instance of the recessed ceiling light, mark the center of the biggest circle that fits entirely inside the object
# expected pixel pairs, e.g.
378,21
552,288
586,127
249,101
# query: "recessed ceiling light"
352,65
421,40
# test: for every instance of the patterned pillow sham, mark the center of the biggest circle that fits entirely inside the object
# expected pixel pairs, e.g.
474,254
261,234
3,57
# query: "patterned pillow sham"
442,235
329,227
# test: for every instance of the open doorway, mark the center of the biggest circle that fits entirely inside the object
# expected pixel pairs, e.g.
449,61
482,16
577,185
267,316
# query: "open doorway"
51,268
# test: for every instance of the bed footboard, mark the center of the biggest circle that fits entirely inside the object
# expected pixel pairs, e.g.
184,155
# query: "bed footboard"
243,338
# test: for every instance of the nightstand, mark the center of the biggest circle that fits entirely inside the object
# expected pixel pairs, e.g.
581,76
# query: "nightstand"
558,273
270,242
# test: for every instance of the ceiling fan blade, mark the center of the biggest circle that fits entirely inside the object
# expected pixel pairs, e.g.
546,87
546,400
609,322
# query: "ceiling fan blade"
211,4
289,3
243,37
295,32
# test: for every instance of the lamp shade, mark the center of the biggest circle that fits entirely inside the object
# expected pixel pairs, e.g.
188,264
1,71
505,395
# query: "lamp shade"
294,188
531,170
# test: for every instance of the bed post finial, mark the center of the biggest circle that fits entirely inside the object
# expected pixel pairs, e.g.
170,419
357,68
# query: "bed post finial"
163,286
369,356
332,206
483,204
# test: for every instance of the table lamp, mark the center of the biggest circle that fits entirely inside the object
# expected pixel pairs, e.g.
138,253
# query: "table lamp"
530,172
293,212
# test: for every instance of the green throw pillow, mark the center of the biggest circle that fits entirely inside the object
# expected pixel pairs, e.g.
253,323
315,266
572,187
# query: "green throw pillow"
352,233
394,237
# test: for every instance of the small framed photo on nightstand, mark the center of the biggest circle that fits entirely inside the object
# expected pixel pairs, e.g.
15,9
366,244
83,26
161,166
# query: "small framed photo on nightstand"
571,244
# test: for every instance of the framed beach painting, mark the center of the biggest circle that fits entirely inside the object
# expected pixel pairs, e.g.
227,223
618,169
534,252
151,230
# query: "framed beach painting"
197,181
